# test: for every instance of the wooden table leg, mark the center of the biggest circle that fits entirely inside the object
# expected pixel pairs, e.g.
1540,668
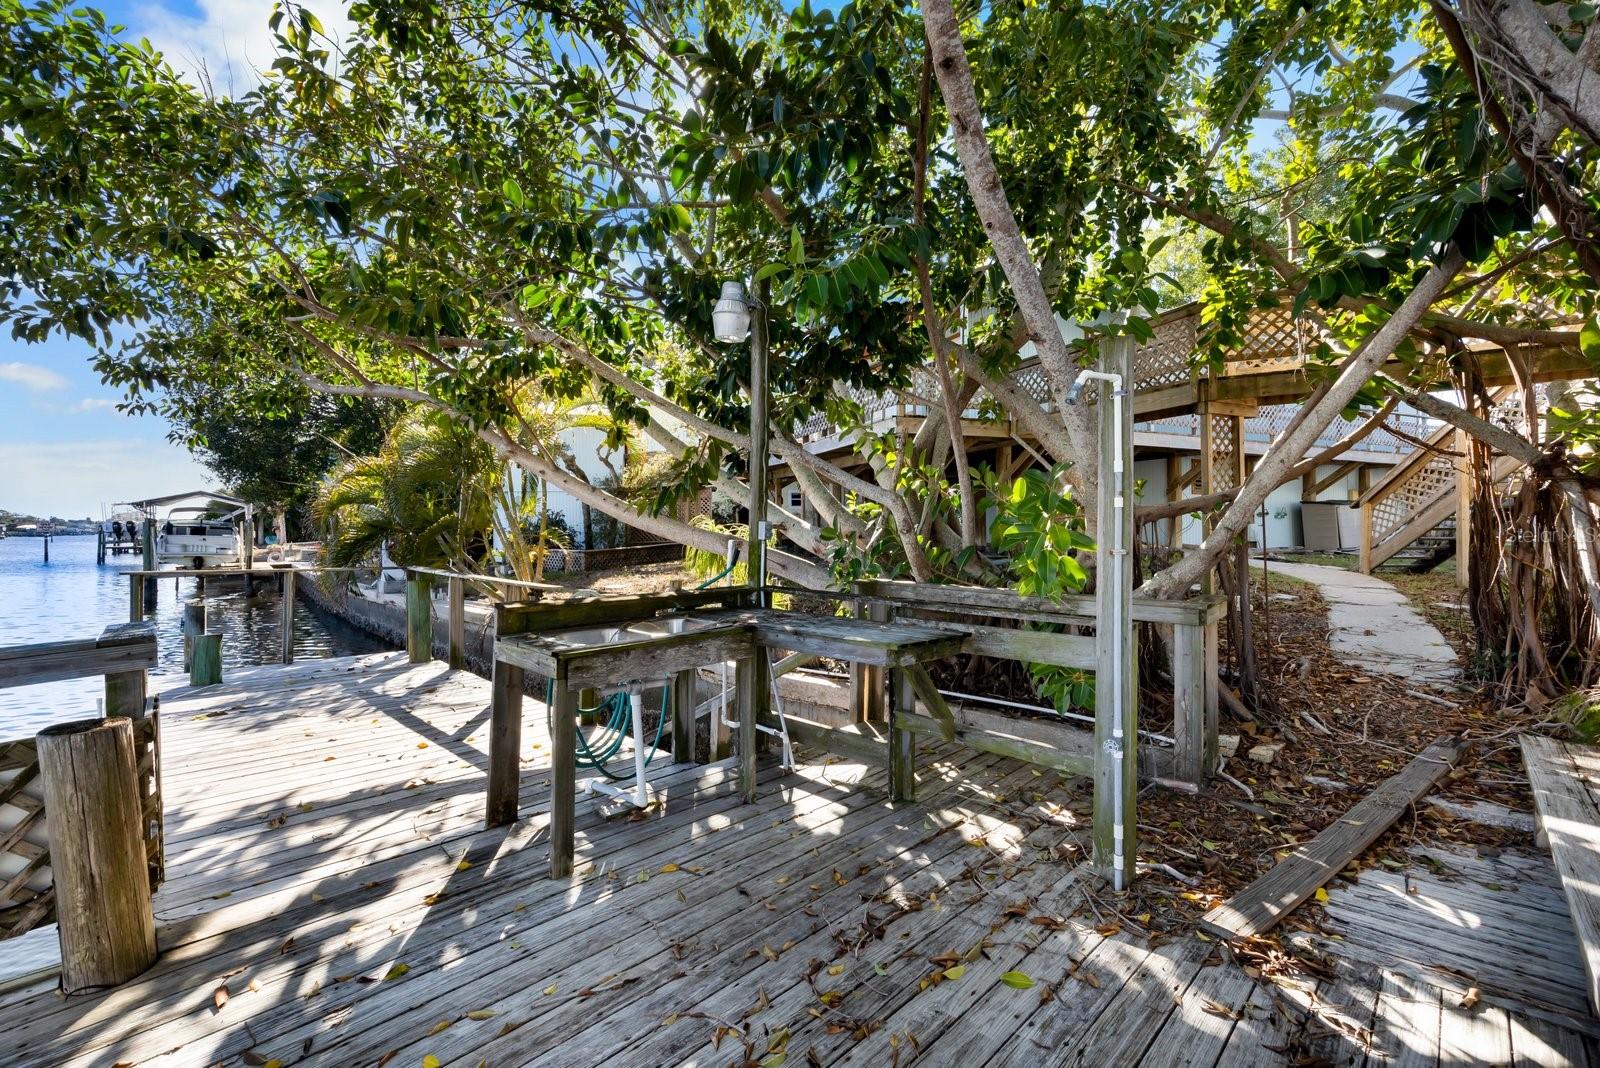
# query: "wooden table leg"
745,681
902,751
563,779
505,744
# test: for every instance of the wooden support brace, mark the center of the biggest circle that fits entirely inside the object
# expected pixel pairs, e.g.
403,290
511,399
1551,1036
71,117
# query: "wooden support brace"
932,700
505,744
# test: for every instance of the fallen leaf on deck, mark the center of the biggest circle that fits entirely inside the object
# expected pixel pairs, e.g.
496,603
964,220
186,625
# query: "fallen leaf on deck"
480,1014
1017,980
397,971
442,1025
219,996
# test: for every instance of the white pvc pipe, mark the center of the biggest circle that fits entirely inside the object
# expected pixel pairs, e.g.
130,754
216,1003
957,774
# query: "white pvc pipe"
641,796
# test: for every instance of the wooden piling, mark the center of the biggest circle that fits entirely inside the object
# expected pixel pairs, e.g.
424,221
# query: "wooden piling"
286,626
97,858
46,540
148,563
419,618
206,670
193,625
505,744
100,547
135,599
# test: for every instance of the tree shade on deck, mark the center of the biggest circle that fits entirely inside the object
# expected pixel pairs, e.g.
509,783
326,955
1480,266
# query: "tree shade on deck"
332,896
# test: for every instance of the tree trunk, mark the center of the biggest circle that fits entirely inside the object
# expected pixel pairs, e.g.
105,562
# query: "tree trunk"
954,75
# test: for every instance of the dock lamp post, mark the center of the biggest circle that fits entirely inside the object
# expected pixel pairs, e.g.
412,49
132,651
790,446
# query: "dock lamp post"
735,317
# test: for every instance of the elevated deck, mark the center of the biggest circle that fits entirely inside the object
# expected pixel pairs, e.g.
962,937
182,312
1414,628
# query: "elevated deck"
333,899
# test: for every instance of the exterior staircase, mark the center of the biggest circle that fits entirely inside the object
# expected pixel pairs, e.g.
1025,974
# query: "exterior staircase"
1409,517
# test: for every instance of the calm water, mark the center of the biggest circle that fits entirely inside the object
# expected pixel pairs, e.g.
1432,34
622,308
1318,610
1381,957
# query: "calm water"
71,597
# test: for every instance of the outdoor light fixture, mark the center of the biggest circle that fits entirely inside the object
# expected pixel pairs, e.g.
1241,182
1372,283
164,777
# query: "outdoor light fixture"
735,317
730,319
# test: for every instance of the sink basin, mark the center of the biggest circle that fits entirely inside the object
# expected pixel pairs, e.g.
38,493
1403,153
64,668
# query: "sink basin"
643,630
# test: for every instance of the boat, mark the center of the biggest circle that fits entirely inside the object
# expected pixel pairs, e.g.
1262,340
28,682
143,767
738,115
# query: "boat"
189,538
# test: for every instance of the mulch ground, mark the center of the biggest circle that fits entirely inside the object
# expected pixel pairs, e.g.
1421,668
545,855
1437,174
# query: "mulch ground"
1343,732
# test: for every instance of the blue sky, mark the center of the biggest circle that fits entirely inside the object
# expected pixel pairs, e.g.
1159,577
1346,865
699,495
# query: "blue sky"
64,448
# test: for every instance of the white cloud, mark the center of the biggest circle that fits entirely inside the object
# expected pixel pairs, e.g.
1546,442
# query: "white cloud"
31,376
94,404
227,45
78,478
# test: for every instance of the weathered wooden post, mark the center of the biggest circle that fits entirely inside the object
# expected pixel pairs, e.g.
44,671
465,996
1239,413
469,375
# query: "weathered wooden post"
194,624
100,546
286,627
457,655
505,744
748,676
684,692
97,857
419,617
902,745
206,670
135,599
563,778
867,680
1116,758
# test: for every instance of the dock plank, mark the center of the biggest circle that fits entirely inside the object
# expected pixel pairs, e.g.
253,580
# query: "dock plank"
1259,906
304,913
1563,776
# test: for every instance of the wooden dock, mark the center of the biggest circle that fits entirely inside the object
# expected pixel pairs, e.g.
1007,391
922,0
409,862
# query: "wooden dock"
332,898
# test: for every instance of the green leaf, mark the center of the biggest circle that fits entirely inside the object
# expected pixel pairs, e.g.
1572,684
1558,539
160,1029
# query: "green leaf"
513,193
1589,340
1017,980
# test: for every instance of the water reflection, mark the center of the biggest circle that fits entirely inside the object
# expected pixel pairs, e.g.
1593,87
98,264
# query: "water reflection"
71,597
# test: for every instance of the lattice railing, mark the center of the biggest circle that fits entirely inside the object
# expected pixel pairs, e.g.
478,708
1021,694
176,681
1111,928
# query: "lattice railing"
1426,479
27,897
27,892
1224,447
1276,340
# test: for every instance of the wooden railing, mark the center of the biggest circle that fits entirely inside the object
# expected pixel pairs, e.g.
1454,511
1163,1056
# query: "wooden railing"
1005,635
285,574
419,608
122,654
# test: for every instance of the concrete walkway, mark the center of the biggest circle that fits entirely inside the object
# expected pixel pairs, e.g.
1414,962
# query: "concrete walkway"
1374,626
